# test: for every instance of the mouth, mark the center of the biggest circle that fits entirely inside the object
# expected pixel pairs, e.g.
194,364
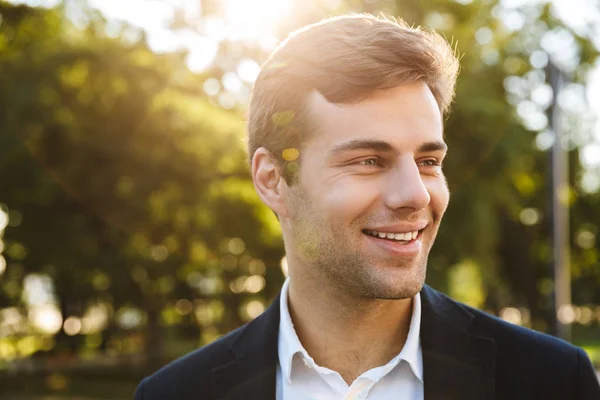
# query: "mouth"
395,237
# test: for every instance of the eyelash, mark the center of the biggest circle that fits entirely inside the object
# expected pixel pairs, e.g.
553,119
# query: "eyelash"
434,162
377,161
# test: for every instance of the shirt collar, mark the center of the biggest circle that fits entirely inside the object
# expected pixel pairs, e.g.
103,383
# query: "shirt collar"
289,345
411,352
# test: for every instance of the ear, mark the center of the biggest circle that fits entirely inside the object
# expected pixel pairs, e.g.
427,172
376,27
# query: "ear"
268,181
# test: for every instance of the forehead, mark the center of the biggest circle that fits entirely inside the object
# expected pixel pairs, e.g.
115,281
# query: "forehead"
405,117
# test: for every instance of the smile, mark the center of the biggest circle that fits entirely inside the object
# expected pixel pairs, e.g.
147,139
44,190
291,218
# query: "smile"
404,237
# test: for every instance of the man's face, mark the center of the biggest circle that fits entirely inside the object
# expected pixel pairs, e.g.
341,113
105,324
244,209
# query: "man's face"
373,169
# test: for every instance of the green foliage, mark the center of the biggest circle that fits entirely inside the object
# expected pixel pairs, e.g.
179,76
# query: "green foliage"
128,186
122,170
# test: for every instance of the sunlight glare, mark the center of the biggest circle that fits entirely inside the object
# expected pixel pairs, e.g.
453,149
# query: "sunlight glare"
37,3
248,70
202,51
155,15
252,20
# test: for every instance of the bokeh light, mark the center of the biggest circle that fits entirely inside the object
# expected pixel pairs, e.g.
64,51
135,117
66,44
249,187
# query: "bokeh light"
95,319
72,326
3,219
512,315
47,318
168,239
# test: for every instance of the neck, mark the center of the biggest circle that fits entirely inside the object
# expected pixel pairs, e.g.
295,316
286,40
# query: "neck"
347,334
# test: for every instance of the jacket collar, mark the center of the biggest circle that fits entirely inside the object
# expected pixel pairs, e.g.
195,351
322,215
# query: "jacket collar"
456,363
252,373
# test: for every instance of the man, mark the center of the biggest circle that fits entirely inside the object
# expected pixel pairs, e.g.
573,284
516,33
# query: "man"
346,144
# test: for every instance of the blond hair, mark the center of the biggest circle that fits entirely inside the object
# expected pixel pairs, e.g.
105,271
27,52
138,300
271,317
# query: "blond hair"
345,59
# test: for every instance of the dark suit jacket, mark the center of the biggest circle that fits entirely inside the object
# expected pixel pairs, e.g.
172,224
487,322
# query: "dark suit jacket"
467,355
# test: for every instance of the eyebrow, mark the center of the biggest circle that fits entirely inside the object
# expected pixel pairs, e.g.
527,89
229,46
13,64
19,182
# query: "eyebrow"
383,146
433,146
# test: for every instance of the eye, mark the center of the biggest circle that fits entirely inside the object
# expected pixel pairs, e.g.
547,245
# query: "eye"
430,163
370,162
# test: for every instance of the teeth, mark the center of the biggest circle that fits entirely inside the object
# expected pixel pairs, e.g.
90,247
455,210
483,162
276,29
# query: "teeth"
408,236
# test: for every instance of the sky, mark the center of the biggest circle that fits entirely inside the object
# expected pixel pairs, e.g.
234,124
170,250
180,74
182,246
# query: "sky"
254,21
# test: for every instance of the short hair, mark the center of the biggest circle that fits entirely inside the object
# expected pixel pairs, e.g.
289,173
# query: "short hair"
345,59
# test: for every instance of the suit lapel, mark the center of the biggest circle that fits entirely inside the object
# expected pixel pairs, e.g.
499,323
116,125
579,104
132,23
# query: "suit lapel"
251,375
457,364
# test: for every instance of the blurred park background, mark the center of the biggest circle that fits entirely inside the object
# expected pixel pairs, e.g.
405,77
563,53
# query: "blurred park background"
130,232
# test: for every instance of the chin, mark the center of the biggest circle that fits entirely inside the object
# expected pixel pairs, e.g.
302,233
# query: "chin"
408,291
401,286
397,290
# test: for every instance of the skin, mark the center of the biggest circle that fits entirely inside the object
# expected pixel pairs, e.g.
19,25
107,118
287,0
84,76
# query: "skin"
372,164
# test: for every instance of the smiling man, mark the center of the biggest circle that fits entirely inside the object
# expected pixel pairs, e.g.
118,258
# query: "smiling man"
346,143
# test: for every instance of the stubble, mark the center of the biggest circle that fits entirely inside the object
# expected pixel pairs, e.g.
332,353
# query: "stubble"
333,257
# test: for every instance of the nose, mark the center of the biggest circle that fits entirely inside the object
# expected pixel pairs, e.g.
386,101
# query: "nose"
405,188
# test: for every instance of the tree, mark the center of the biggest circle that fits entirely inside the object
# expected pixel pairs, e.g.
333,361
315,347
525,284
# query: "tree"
126,182
128,179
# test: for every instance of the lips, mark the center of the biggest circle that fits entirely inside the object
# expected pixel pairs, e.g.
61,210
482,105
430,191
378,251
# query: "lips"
397,236
401,231
400,240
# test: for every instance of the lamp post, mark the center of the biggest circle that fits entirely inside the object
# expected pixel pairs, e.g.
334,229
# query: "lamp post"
560,211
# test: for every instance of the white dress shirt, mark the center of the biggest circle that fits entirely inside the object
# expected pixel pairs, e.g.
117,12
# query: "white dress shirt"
299,377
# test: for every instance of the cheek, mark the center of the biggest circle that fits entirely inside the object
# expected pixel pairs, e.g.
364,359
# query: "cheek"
349,198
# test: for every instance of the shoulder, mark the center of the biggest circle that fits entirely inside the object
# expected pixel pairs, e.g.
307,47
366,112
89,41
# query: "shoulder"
518,349
550,367
525,356
521,340
511,338
189,376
